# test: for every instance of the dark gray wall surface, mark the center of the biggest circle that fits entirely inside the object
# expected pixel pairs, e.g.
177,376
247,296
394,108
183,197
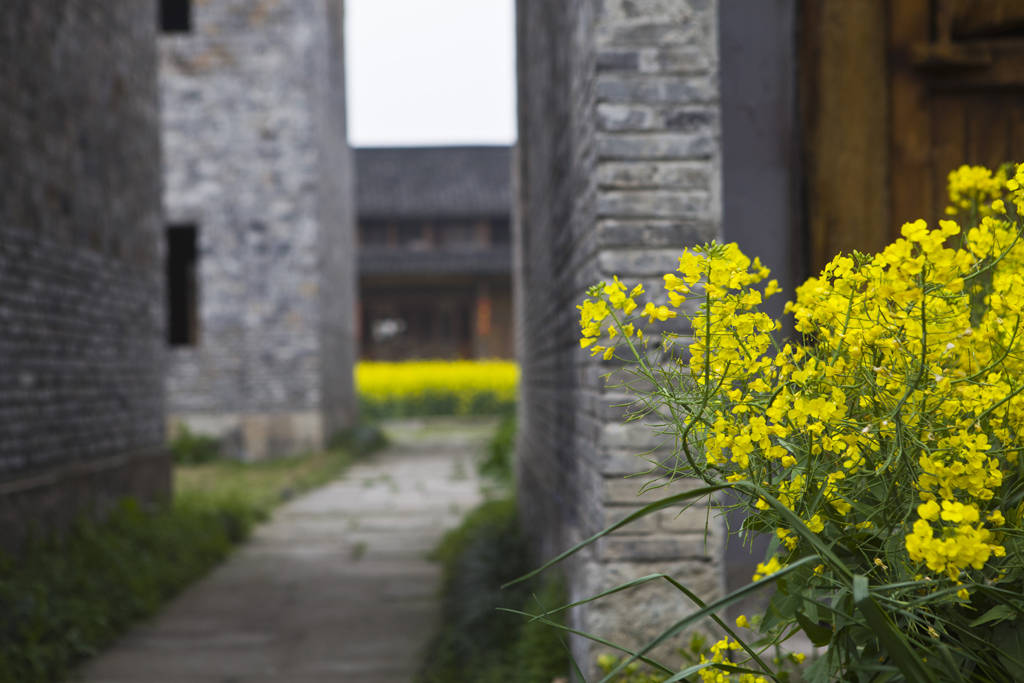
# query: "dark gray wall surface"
81,260
760,137
555,158
760,169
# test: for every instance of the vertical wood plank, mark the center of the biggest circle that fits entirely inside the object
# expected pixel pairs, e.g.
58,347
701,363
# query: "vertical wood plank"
844,108
910,140
949,130
1016,141
990,119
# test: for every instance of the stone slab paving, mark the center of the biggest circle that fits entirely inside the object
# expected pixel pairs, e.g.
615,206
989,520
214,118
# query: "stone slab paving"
336,587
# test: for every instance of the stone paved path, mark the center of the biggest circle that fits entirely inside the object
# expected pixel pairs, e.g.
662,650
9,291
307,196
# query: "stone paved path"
335,587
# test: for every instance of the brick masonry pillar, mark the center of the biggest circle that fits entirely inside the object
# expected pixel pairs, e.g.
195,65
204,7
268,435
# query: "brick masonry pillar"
619,169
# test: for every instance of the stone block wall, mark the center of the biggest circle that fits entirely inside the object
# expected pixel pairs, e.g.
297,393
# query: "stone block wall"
81,258
619,168
257,160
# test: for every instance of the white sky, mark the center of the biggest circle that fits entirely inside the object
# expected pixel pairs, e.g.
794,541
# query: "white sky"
424,72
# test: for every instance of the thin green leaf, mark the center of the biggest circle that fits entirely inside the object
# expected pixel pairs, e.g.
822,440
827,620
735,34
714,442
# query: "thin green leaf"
895,644
1009,641
797,525
642,512
680,587
685,674
732,634
611,591
819,634
735,596
591,636
996,614
952,666
572,660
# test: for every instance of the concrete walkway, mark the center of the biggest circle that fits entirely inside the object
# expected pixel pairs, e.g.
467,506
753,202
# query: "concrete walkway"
335,587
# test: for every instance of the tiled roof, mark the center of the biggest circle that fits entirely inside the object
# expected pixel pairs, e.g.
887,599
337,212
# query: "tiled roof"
433,182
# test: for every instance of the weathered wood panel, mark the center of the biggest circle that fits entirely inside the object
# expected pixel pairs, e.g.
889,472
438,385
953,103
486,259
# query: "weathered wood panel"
843,107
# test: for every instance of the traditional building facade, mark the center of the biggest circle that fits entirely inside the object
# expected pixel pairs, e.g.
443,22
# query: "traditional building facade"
258,194
435,254
81,284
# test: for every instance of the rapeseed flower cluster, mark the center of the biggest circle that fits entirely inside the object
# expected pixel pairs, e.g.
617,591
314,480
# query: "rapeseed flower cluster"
885,437
974,188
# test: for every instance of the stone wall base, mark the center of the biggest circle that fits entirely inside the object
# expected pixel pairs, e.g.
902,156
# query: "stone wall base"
635,616
51,501
256,436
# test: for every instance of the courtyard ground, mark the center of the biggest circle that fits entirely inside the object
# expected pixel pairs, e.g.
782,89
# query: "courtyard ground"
335,587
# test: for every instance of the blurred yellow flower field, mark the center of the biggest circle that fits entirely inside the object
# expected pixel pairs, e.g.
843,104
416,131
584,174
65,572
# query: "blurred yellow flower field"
436,387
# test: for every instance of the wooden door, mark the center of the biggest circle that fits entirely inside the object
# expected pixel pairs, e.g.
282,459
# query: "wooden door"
895,94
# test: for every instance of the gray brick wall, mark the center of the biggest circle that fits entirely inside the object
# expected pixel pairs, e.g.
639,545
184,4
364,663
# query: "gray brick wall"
257,159
618,169
81,286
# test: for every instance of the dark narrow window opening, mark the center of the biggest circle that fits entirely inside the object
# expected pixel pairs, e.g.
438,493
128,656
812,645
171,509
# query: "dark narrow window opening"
182,288
175,16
